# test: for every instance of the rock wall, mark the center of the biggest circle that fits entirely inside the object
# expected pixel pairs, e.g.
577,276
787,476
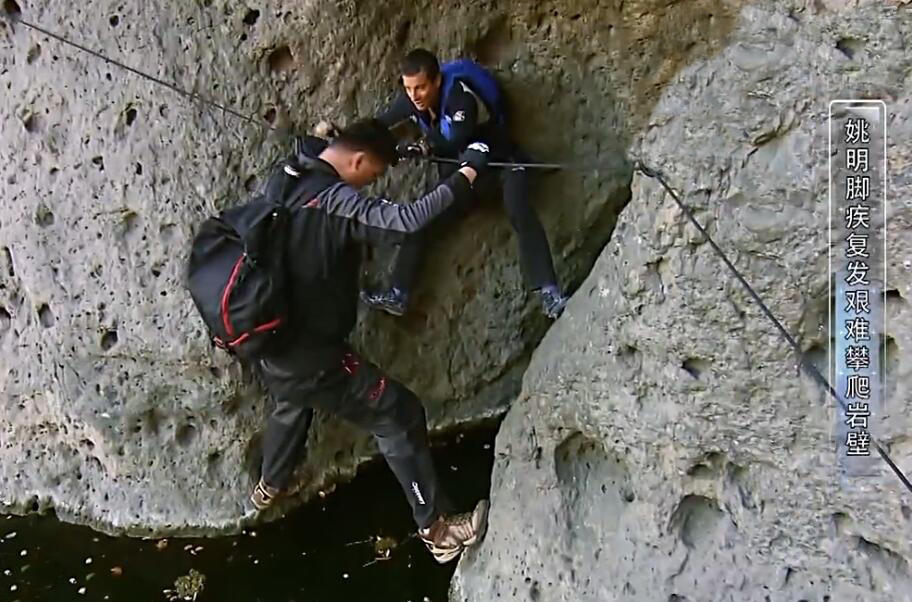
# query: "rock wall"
664,446
114,410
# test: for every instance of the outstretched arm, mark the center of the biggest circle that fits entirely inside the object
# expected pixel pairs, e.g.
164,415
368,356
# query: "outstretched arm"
374,220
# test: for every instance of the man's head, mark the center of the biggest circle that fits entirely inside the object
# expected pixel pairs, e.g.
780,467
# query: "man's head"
362,152
421,78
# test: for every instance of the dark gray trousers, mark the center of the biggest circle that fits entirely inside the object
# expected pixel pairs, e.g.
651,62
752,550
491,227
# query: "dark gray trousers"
357,391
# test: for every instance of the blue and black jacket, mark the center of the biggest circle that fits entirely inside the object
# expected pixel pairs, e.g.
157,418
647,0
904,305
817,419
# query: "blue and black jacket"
463,119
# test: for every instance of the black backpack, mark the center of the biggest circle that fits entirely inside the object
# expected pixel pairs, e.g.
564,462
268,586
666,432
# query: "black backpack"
236,271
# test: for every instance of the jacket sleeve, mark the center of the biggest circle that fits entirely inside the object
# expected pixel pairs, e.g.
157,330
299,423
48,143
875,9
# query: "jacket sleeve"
461,114
378,221
396,112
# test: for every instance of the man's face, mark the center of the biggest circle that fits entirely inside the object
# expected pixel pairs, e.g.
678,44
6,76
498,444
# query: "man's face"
422,90
362,169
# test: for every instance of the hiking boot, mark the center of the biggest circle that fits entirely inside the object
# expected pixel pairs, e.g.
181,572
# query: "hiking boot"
448,536
553,302
263,496
393,301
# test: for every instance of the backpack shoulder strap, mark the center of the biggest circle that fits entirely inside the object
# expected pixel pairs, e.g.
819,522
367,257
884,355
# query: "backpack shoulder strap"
308,182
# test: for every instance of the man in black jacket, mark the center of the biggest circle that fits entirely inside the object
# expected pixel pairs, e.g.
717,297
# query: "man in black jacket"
317,369
449,125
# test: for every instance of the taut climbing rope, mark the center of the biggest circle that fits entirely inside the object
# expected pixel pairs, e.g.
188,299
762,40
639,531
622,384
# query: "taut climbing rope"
15,17
809,368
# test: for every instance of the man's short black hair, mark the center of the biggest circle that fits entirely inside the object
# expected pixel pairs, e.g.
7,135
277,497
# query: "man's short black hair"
419,60
370,136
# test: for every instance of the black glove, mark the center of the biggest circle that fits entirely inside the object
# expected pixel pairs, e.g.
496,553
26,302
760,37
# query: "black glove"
475,156
408,150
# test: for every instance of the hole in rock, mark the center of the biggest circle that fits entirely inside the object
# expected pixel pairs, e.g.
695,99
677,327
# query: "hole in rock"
696,367
5,320
98,162
45,315
281,59
816,355
893,302
849,47
707,467
402,32
243,37
185,434
249,183
11,9
167,232
890,362
886,559
9,262
32,123
108,340
139,169
54,171
131,116
44,217
841,522
251,17
114,20
698,518
270,116
33,54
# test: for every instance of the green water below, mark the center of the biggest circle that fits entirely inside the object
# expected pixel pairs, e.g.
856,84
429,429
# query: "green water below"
324,551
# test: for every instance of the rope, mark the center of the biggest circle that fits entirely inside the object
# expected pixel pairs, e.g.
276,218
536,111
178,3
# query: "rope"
544,166
16,18
804,362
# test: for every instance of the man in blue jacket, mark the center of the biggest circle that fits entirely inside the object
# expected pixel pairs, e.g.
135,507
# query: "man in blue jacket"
452,114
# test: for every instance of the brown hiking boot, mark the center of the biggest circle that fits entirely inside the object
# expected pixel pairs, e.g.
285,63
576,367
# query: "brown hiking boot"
448,536
263,495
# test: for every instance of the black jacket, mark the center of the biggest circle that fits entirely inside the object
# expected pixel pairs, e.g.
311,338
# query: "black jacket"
328,227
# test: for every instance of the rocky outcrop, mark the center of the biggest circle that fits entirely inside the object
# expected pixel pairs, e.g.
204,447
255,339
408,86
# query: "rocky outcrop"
664,446
114,409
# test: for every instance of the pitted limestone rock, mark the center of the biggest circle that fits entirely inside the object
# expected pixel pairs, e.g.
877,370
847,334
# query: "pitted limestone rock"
115,409
664,446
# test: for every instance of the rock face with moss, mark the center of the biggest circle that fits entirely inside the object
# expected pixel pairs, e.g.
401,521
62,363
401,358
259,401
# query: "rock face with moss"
115,411
664,446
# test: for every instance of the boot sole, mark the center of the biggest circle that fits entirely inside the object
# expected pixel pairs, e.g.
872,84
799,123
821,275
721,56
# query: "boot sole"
480,525
448,557
480,522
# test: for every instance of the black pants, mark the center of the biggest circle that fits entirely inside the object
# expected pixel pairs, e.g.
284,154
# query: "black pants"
357,391
534,250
